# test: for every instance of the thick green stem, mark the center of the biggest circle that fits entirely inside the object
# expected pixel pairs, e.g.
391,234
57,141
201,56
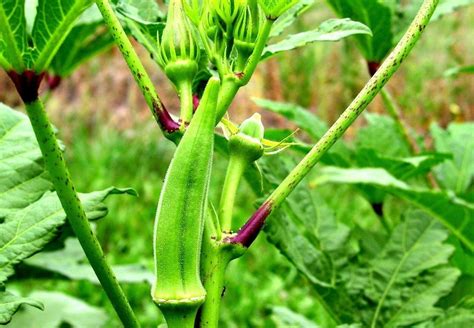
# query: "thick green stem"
257,53
214,265
56,166
235,170
229,88
249,232
214,261
161,115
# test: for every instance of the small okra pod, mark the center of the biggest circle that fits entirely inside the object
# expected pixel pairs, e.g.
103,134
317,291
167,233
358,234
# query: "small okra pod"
178,290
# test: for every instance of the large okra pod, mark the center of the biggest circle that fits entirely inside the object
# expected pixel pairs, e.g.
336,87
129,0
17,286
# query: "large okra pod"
178,290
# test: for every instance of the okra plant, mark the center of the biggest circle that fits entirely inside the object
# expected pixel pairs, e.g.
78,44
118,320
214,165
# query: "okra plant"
209,50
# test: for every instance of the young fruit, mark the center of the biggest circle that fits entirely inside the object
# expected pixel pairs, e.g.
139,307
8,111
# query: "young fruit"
178,290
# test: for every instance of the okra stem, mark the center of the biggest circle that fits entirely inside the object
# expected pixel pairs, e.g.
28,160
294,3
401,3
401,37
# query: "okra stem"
160,113
250,230
235,170
186,99
56,166
257,53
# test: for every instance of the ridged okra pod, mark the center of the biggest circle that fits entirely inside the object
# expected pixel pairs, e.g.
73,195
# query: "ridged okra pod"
178,290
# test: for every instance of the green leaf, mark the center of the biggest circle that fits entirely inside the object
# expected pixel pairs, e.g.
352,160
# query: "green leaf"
144,21
28,230
60,310
288,18
22,176
54,20
420,305
402,168
10,303
377,17
456,214
406,280
72,263
459,316
142,11
13,37
284,317
303,229
456,174
302,117
382,136
330,30
30,212
275,8
87,38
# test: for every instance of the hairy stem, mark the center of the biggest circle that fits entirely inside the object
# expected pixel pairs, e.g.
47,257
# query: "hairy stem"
160,113
56,166
215,258
250,230
214,265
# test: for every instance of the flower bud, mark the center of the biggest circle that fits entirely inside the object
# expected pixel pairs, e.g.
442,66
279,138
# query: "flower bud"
179,48
248,141
227,10
246,31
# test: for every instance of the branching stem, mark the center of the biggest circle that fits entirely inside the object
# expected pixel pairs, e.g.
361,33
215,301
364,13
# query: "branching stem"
160,113
250,230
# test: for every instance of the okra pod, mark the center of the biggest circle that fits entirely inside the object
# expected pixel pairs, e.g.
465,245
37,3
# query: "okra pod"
178,290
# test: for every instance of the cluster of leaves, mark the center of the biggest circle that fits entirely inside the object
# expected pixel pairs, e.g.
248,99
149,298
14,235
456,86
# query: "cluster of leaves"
390,264
31,215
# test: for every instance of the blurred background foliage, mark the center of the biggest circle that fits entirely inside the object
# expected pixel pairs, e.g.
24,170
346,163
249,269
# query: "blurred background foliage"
112,140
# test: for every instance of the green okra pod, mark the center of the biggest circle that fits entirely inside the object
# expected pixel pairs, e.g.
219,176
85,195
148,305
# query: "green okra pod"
178,290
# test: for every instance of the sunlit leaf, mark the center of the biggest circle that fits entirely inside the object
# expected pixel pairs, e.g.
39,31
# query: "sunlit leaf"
458,139
330,30
10,303
13,37
54,20
72,263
